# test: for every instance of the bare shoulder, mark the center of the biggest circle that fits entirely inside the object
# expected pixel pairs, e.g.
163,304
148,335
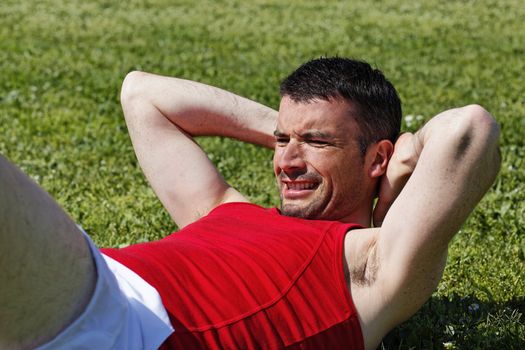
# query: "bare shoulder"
362,265
374,296
380,301
360,256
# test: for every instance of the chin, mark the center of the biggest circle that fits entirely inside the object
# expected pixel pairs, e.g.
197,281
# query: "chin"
302,212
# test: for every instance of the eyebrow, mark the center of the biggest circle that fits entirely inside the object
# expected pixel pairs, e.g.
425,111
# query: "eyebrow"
316,134
308,135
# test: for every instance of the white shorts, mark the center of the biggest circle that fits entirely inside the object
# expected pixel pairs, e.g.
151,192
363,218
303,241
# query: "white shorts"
125,312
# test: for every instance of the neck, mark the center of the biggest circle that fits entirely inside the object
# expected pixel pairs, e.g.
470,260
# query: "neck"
364,219
361,216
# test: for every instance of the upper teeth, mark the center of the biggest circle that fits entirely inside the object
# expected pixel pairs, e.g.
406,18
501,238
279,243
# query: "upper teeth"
300,186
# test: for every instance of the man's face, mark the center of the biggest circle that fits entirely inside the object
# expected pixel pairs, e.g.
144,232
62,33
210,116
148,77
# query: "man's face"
319,168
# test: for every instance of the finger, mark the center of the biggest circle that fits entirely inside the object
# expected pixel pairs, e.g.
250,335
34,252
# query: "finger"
380,211
384,201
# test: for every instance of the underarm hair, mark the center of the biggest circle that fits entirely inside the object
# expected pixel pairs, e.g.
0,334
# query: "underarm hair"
364,272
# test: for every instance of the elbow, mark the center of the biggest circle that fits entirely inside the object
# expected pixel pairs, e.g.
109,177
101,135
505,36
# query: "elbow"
480,115
479,130
480,121
484,126
133,88
136,97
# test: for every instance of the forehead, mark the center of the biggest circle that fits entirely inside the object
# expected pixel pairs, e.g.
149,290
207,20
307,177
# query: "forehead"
334,116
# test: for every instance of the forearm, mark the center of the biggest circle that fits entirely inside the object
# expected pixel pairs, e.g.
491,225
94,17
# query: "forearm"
201,110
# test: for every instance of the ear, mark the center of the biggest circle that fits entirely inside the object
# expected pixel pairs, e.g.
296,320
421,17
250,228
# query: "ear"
378,156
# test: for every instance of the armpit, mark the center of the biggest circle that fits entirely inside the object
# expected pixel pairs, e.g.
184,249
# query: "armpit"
364,271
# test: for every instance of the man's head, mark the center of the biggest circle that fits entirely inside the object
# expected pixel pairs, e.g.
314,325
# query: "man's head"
337,122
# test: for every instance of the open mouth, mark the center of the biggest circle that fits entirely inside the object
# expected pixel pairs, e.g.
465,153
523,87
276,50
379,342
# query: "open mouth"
300,186
297,190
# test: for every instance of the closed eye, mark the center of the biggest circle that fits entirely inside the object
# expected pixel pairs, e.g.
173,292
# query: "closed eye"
282,140
318,143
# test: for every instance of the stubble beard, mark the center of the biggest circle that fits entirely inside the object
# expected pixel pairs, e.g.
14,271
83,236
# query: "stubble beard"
310,210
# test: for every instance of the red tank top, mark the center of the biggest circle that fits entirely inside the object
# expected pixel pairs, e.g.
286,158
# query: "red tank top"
246,277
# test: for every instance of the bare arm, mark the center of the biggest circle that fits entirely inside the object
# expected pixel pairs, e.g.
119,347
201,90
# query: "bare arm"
456,159
163,114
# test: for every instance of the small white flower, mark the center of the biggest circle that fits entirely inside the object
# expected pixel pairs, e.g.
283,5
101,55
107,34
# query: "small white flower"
449,345
473,307
409,119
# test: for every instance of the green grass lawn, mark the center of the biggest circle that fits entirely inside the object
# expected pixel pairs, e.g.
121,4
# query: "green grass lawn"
62,63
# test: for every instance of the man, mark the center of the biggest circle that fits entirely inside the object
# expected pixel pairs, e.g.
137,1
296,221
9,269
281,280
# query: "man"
241,276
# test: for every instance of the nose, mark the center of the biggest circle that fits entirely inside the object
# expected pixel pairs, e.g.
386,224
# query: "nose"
290,157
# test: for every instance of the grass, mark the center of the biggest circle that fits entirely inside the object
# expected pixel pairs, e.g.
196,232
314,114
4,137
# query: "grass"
62,63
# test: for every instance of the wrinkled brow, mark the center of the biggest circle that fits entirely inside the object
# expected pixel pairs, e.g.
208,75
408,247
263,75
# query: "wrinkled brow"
310,134
316,134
